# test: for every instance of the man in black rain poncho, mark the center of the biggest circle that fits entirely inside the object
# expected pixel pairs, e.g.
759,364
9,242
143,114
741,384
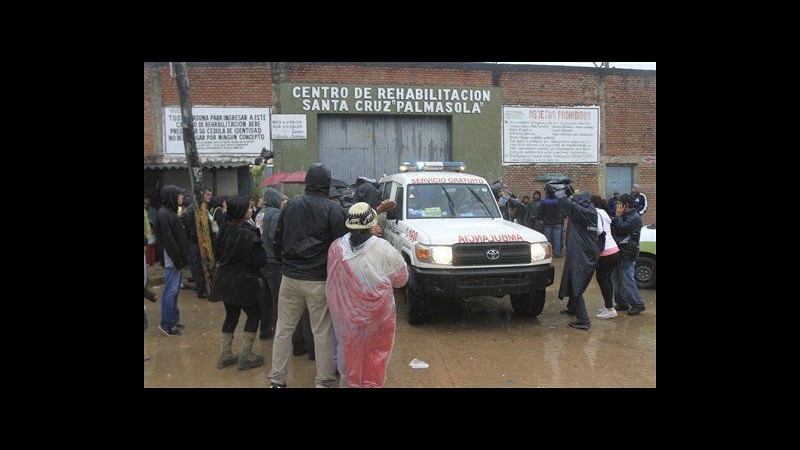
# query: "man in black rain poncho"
582,250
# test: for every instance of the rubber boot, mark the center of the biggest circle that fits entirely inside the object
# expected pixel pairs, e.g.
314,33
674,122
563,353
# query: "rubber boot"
248,359
226,357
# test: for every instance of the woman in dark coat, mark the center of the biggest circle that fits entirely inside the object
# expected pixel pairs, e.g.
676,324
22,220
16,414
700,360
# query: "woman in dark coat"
582,251
238,282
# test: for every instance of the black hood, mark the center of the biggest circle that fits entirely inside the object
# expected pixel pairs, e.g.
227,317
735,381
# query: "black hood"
237,207
582,199
318,179
273,198
366,192
169,196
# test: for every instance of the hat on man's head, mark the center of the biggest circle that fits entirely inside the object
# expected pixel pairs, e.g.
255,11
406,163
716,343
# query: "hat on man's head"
361,216
616,191
636,186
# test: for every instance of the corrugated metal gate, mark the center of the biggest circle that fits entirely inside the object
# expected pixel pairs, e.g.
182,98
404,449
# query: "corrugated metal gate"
353,146
619,178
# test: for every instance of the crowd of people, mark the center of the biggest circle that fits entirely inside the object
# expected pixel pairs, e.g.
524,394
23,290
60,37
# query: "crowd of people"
275,269
312,273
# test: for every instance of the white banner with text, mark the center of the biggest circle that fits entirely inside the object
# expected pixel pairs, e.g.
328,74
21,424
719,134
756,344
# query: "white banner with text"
534,135
219,130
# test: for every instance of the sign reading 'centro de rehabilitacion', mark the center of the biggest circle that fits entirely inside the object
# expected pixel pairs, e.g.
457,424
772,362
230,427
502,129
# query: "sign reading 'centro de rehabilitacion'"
219,130
392,99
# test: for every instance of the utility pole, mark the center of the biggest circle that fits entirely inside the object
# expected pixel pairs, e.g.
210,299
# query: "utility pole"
195,177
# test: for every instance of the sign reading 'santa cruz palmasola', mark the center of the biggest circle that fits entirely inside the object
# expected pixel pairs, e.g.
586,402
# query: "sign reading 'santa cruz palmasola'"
392,99
220,130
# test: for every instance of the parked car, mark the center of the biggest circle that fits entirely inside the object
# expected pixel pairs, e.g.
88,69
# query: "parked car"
645,272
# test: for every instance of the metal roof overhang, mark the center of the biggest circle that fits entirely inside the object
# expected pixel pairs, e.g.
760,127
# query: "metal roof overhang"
208,165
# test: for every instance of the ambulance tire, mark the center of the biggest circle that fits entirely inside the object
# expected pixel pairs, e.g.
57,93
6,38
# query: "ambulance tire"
415,305
530,304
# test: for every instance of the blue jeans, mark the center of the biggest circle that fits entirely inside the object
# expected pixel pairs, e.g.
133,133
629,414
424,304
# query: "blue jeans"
336,351
553,234
170,314
625,290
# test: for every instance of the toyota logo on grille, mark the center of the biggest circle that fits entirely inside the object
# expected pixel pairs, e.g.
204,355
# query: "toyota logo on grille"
492,254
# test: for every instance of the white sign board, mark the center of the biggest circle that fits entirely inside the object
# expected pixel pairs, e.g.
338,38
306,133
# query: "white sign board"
219,131
289,126
550,135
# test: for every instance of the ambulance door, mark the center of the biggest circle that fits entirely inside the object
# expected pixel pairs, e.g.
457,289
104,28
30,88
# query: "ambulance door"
394,218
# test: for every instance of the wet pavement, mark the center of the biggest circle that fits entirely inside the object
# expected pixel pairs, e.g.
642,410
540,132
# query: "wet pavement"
475,342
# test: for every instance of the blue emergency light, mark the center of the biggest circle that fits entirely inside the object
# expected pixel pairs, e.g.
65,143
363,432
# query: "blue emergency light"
424,166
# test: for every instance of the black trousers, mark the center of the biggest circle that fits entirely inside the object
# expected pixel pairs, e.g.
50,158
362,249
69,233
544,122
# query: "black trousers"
196,266
303,337
232,313
577,305
269,303
605,268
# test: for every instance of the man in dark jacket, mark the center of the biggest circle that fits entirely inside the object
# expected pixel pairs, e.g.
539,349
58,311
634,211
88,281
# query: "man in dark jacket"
626,227
582,251
639,200
307,226
552,216
502,202
172,251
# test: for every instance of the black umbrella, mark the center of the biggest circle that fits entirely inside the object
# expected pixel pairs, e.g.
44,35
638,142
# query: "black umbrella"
544,178
339,183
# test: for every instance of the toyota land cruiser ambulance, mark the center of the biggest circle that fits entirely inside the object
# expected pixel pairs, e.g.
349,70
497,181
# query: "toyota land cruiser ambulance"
448,227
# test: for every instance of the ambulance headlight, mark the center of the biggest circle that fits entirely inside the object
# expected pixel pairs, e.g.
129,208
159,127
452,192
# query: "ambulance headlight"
540,251
442,255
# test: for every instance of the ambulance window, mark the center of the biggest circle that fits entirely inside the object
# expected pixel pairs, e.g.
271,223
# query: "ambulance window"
399,199
387,191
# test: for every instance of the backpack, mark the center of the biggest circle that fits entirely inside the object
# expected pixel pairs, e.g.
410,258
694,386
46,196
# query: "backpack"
214,224
601,238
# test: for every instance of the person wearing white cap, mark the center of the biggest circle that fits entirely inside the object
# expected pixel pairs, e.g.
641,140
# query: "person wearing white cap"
363,270
639,200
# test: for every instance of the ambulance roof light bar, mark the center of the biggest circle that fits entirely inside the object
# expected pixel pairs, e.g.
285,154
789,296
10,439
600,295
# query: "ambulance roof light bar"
425,166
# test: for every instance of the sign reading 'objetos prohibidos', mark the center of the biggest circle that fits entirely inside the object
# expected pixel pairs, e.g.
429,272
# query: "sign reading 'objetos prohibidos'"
550,135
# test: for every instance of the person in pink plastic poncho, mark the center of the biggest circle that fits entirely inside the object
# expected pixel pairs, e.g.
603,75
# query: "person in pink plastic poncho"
362,270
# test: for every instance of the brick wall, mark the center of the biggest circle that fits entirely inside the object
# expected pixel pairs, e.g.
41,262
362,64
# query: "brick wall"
520,178
549,88
245,85
223,86
630,115
629,104
149,148
388,75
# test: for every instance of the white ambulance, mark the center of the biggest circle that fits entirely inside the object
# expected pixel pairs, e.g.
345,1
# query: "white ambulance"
448,227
